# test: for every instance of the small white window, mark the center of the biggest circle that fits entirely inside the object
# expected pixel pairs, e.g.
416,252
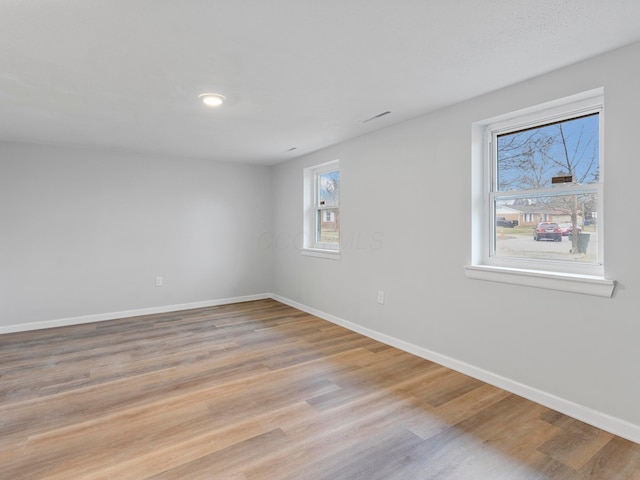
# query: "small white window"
322,207
542,179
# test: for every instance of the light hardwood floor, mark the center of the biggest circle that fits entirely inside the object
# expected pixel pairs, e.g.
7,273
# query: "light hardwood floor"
259,390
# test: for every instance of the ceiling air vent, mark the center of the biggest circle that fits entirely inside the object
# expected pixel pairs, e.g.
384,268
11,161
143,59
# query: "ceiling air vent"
375,117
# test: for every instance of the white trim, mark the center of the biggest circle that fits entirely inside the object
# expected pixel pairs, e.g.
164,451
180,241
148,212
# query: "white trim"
556,110
585,414
564,282
319,253
63,322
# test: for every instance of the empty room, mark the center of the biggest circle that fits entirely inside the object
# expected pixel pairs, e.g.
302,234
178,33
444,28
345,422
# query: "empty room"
271,240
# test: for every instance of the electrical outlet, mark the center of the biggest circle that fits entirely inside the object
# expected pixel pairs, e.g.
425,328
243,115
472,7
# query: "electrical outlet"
381,296
159,281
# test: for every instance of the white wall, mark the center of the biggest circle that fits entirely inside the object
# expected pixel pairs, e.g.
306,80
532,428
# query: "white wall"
85,232
405,209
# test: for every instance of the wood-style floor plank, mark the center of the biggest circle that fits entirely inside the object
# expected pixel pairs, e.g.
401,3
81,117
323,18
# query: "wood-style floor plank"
261,391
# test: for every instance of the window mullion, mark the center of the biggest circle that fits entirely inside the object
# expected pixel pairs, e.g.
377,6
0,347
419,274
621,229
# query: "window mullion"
547,192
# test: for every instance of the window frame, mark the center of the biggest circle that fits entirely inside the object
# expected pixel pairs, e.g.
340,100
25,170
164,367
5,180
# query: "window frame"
555,274
313,212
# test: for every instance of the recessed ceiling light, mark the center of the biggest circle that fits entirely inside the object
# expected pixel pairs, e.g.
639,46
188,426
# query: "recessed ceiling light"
212,99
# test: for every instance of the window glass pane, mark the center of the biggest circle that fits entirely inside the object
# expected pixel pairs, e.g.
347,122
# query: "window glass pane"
329,189
528,159
328,225
543,227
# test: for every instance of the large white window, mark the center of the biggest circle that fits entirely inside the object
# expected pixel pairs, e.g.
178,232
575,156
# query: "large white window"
538,211
322,208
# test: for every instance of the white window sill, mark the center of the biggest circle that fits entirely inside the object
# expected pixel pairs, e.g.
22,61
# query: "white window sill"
320,253
585,284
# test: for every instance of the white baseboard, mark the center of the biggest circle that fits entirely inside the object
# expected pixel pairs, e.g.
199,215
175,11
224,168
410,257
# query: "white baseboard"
598,419
63,322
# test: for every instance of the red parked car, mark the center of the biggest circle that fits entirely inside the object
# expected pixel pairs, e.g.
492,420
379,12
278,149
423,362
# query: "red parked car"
567,228
548,230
